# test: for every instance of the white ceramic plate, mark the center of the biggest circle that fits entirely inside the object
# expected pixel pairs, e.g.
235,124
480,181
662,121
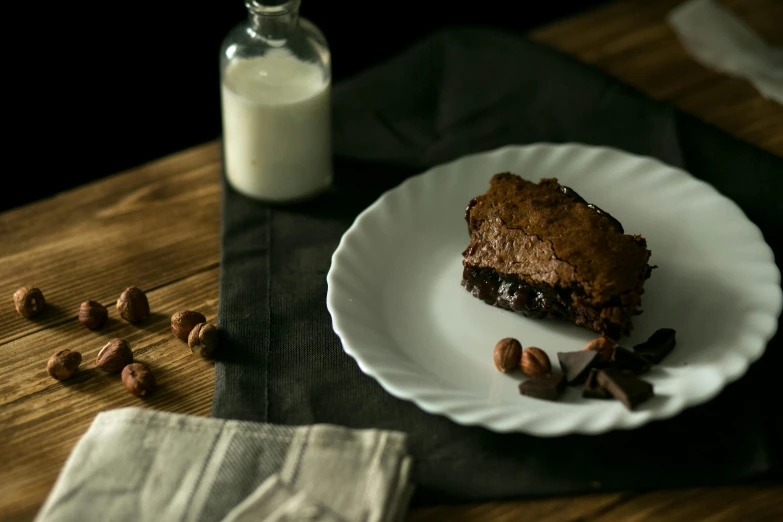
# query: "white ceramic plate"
398,307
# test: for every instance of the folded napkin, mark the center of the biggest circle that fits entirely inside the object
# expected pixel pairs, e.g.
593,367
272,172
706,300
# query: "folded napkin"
138,464
721,41
457,92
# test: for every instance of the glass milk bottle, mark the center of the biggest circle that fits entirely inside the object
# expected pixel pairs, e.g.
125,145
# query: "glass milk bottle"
276,104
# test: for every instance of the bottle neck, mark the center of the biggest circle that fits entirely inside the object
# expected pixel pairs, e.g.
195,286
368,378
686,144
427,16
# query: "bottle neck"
271,19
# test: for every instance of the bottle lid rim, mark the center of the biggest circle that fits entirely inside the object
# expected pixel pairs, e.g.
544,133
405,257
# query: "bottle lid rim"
272,7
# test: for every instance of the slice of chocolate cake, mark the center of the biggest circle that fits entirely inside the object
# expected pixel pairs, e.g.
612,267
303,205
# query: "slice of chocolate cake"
543,251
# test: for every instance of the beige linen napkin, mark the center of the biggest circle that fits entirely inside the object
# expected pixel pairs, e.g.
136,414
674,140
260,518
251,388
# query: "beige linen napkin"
717,39
139,464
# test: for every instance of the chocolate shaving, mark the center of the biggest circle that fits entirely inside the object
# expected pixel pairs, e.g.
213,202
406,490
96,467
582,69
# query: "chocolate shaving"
548,387
625,359
624,387
657,346
575,365
592,390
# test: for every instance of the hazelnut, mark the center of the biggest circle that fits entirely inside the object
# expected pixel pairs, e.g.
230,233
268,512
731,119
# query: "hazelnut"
93,314
604,346
508,352
535,362
182,323
29,301
203,340
63,364
133,305
115,356
138,379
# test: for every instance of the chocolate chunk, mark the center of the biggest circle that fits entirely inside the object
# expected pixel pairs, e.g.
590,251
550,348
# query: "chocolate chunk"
657,346
548,387
591,389
624,387
575,365
625,359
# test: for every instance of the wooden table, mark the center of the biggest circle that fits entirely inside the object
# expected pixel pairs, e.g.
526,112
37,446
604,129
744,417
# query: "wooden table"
157,227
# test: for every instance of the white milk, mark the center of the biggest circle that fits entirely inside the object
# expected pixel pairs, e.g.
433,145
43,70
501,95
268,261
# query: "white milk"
276,127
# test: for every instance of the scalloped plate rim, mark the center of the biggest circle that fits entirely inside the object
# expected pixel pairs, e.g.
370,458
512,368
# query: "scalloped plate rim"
728,374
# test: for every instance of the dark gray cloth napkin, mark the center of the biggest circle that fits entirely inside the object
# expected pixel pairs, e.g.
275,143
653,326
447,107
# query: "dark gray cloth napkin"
461,91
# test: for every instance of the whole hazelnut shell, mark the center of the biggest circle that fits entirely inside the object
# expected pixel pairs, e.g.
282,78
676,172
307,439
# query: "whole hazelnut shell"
63,364
93,314
183,321
133,305
114,356
203,340
29,301
508,352
138,379
604,346
535,362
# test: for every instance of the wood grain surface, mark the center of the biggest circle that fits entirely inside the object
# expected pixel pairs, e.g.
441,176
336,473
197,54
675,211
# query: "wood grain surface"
157,227
631,40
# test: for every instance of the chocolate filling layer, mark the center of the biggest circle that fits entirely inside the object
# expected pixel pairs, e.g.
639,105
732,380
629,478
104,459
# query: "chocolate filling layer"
537,301
512,293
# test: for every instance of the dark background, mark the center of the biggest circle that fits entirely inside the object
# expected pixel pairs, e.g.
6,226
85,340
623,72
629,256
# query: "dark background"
104,87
